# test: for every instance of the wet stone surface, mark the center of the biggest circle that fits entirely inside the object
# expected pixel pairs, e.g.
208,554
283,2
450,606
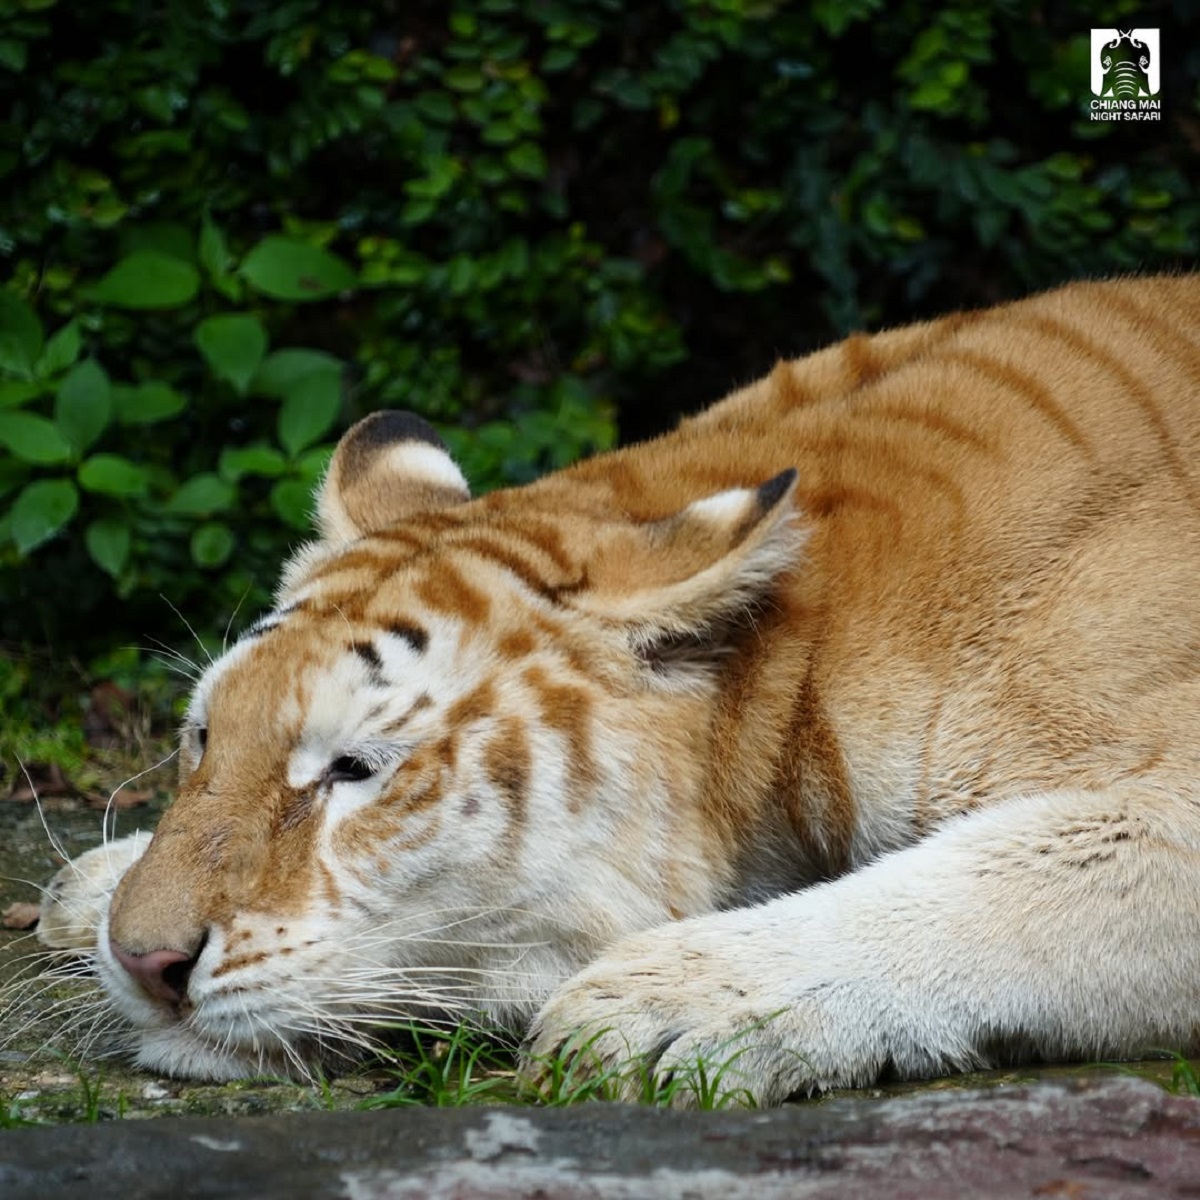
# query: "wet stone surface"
1088,1140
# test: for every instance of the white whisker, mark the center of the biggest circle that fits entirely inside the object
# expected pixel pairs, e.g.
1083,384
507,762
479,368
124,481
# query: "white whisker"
55,844
178,663
233,617
188,626
108,835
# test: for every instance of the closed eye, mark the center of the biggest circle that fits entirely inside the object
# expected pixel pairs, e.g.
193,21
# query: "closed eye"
349,769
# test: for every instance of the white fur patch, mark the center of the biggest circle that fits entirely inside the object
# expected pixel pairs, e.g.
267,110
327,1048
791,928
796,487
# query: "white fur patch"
724,507
423,463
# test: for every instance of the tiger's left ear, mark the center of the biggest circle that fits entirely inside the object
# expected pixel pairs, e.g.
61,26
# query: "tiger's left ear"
680,583
388,466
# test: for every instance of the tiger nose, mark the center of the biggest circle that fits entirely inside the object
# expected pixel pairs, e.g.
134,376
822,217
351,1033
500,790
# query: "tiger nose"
161,974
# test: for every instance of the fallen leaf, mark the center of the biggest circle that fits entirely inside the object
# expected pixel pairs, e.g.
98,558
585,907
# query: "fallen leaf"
125,798
37,781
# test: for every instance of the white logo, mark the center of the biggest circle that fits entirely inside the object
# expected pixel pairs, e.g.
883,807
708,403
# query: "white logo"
1126,75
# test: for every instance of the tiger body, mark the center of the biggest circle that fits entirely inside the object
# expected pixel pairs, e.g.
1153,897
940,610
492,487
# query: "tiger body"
851,726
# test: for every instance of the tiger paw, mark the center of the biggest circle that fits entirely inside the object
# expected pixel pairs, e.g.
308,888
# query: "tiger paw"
76,899
706,1013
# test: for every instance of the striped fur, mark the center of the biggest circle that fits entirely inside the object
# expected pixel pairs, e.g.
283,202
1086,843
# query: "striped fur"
894,655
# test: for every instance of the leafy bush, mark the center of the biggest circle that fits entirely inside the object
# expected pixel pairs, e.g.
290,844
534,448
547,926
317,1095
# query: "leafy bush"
139,495
233,227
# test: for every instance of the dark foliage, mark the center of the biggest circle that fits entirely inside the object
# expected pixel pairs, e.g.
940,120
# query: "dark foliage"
233,226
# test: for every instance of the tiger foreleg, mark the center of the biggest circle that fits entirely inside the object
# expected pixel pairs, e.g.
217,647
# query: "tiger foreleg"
1060,926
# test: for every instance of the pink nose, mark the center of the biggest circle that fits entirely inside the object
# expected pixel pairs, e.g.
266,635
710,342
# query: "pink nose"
162,974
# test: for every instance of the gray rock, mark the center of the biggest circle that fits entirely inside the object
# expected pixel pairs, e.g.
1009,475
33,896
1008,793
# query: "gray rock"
1088,1140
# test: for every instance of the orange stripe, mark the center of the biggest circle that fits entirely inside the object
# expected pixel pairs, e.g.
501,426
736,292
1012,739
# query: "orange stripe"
812,780
1141,394
509,766
445,590
1029,387
567,709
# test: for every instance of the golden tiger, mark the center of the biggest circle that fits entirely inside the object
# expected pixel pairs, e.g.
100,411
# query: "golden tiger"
852,727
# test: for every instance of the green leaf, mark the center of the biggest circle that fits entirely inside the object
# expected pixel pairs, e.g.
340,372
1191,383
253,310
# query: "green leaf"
33,438
234,345
13,54
60,352
463,78
237,461
147,403
292,500
212,543
20,335
163,237
108,540
83,406
231,287
41,510
436,106
112,475
13,475
460,274
147,279
213,251
283,369
442,172
288,269
201,496
312,465
309,411
15,392
932,94
559,58
528,160
500,133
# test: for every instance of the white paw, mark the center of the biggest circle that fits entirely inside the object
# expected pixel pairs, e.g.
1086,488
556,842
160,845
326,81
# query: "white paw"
77,898
718,1009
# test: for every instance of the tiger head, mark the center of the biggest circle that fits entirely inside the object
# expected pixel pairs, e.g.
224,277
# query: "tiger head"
469,745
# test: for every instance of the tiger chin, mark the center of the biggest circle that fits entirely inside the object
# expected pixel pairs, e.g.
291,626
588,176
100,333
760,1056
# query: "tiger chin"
851,727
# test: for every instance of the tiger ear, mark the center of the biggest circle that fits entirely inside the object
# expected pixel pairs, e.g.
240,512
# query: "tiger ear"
388,466
682,583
